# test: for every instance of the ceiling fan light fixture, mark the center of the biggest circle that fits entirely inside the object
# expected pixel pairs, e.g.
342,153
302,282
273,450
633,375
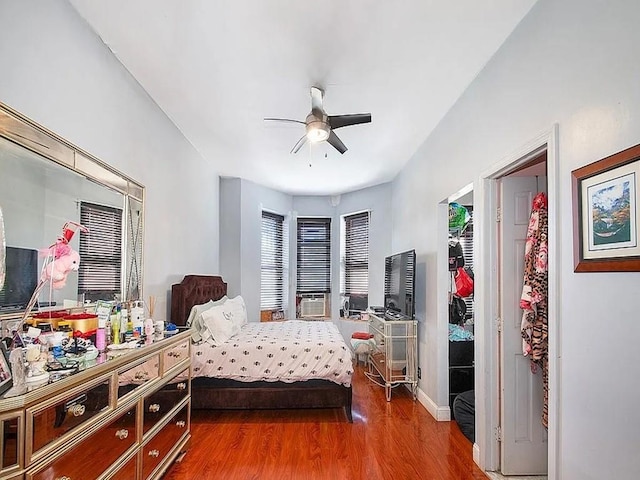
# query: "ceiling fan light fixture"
320,126
317,131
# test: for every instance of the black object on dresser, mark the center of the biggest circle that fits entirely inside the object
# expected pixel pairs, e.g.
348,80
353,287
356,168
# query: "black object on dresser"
461,374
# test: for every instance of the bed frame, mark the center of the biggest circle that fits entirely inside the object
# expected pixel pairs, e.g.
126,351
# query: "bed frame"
208,393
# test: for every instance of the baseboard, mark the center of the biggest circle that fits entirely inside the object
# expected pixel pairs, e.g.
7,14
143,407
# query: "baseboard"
441,414
476,454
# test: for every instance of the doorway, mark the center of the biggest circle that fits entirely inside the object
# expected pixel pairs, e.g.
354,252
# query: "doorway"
491,278
523,438
461,374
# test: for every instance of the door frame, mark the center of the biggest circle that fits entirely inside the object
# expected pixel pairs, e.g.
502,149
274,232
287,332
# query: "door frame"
486,450
443,412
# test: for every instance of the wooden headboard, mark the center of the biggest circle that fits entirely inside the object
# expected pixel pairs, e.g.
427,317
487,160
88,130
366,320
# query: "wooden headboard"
194,290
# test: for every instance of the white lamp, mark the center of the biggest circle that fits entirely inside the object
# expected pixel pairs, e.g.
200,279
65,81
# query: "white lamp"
317,131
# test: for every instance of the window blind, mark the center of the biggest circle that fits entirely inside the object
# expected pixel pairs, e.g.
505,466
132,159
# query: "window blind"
313,255
271,262
356,254
466,241
99,275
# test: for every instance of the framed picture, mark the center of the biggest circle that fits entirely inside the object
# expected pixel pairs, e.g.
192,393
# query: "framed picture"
6,380
606,214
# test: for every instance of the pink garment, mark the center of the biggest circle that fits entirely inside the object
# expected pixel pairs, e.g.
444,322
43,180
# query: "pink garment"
533,302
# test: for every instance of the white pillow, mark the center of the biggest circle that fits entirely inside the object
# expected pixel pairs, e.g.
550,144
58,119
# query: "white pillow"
195,317
238,312
218,327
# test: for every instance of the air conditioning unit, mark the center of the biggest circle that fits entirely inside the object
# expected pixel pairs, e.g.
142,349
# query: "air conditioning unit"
312,306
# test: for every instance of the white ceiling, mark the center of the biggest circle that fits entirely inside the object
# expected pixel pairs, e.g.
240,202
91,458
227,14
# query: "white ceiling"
217,68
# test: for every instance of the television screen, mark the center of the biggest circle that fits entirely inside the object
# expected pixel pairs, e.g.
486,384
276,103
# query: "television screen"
399,280
21,267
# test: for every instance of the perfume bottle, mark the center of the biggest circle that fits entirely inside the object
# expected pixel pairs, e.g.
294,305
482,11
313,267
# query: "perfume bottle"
149,327
101,339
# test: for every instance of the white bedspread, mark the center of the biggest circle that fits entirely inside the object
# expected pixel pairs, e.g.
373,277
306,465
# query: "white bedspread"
288,351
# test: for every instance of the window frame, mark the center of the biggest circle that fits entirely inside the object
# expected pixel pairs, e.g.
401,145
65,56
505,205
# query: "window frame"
313,255
354,259
277,263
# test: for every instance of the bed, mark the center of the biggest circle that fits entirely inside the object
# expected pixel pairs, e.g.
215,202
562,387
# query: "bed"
229,393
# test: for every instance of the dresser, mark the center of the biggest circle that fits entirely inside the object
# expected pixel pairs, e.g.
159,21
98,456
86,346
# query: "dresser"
125,416
394,360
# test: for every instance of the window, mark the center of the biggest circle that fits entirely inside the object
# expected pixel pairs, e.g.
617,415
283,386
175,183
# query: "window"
272,262
466,240
314,255
99,275
355,259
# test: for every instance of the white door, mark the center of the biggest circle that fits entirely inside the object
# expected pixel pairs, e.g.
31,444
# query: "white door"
523,450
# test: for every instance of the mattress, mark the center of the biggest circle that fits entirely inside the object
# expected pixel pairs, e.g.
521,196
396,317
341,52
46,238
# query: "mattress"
289,351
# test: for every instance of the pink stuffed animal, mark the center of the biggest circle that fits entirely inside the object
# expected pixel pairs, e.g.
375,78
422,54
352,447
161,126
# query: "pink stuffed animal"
61,258
58,268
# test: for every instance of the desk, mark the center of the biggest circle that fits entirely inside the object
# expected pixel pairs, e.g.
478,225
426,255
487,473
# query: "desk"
95,424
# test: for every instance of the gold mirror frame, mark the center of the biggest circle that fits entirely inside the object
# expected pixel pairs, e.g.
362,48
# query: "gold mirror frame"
24,132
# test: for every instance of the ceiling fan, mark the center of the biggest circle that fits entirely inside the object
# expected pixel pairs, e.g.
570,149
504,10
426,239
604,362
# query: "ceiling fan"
320,126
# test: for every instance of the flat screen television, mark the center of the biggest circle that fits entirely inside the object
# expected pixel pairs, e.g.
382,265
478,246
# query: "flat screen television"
399,285
21,279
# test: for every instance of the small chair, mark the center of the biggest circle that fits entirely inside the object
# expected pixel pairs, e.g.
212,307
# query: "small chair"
362,344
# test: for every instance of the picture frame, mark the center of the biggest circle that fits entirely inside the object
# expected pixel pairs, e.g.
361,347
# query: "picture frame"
6,378
606,214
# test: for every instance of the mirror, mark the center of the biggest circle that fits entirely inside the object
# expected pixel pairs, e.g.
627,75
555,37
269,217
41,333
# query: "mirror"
46,182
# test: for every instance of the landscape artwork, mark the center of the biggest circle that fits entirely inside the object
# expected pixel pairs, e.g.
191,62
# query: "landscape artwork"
605,198
612,224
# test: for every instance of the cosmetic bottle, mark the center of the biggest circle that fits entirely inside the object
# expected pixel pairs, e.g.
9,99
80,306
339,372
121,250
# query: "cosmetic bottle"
115,331
149,327
115,326
124,321
100,339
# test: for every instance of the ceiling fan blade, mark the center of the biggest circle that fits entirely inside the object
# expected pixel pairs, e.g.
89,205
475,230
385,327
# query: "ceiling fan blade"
283,120
337,121
299,145
317,95
336,142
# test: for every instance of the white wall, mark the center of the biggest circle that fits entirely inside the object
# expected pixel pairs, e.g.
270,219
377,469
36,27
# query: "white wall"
378,201
576,63
56,71
241,206
230,234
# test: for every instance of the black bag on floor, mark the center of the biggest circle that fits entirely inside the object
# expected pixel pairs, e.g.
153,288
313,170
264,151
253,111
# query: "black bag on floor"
464,413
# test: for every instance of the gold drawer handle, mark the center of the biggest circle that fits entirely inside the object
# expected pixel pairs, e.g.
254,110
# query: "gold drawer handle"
141,376
181,423
63,478
77,411
154,453
181,386
153,408
122,434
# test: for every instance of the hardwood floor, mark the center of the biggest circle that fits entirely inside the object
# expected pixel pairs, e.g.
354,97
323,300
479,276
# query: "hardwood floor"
396,440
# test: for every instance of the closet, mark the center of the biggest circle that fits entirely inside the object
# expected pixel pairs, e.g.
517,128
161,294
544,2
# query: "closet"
461,319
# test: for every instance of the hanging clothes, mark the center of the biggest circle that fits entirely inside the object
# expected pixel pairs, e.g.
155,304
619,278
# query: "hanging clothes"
459,217
534,297
456,254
